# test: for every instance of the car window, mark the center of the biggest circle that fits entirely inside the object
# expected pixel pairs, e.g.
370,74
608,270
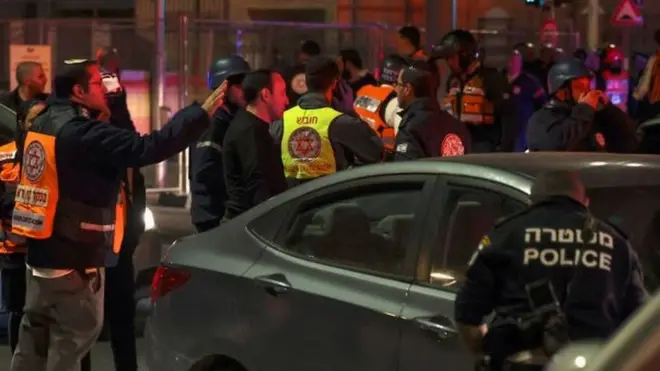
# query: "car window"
471,214
365,229
7,124
636,211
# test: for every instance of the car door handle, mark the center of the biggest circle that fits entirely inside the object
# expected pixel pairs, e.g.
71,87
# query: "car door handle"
274,284
443,330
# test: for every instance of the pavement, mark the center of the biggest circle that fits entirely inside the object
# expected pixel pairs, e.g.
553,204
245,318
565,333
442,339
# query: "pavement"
101,357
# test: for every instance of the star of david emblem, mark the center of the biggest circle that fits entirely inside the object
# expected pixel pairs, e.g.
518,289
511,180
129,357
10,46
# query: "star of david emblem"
35,161
305,144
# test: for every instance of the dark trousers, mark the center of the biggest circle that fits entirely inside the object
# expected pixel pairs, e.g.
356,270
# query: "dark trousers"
13,300
207,225
62,319
120,314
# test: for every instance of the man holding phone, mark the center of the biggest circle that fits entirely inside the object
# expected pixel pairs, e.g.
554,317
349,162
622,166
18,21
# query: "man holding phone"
577,117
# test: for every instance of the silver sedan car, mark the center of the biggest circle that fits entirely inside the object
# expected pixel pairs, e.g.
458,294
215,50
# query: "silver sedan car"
358,271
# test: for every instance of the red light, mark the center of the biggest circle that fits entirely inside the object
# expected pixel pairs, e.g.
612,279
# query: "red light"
166,279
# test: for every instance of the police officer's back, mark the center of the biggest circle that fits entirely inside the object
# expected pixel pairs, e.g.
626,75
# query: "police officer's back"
318,140
207,182
477,95
425,130
577,118
556,246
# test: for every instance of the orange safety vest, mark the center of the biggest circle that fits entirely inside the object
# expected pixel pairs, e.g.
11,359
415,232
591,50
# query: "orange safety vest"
10,243
419,55
41,212
467,101
617,88
370,106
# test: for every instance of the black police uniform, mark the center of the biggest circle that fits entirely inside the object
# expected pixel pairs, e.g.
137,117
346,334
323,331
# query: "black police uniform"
206,174
427,131
120,276
598,282
571,126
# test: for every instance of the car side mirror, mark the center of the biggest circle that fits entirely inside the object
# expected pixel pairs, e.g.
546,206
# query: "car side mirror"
575,356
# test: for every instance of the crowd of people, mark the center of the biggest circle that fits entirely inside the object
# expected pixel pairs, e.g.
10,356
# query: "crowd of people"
73,195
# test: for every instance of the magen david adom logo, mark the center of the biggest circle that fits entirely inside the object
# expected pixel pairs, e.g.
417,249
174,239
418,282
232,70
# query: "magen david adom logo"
34,161
452,145
305,144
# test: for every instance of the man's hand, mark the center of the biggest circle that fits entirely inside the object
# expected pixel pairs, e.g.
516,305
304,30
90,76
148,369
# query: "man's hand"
595,98
216,99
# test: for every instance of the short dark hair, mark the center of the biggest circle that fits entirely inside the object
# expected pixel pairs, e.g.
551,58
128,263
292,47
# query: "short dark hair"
412,34
320,74
74,72
254,82
352,56
23,70
556,183
310,47
420,77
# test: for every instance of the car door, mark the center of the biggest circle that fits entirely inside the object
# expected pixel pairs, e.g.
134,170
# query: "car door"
468,209
329,291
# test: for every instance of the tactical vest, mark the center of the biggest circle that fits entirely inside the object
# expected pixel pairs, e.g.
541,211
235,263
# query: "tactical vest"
41,211
306,148
617,88
467,101
370,105
10,243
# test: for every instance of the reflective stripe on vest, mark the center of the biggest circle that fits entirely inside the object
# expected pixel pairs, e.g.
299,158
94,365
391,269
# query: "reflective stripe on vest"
474,108
306,149
41,211
10,243
370,106
617,89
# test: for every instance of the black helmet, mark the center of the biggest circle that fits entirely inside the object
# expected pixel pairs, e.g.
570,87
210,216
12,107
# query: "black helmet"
390,68
224,68
565,71
457,42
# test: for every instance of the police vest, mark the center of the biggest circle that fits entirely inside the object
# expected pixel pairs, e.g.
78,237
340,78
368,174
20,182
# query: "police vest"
467,101
40,211
617,88
10,243
370,105
306,149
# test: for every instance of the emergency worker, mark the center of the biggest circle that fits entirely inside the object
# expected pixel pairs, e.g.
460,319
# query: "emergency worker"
477,96
13,247
317,140
551,274
612,79
207,182
528,97
71,206
409,43
425,130
577,118
377,104
120,277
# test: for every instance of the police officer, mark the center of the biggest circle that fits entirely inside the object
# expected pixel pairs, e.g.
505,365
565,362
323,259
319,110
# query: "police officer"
613,79
377,104
425,130
477,96
71,206
528,96
13,247
577,118
316,139
207,182
551,274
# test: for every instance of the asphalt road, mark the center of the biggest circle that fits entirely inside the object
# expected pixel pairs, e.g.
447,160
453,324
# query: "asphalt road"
101,357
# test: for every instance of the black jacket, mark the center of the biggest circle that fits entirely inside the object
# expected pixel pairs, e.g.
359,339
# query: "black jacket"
92,158
353,141
427,131
206,172
13,101
560,126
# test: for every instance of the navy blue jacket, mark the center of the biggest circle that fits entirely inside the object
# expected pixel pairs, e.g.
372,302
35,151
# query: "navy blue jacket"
206,170
528,96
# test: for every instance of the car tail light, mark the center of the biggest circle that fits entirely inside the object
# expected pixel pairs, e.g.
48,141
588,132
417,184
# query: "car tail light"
167,279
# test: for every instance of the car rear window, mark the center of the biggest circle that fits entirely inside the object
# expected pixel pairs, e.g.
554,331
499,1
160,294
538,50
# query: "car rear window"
636,211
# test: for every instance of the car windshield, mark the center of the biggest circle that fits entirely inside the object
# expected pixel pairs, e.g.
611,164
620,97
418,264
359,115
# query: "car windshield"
636,211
